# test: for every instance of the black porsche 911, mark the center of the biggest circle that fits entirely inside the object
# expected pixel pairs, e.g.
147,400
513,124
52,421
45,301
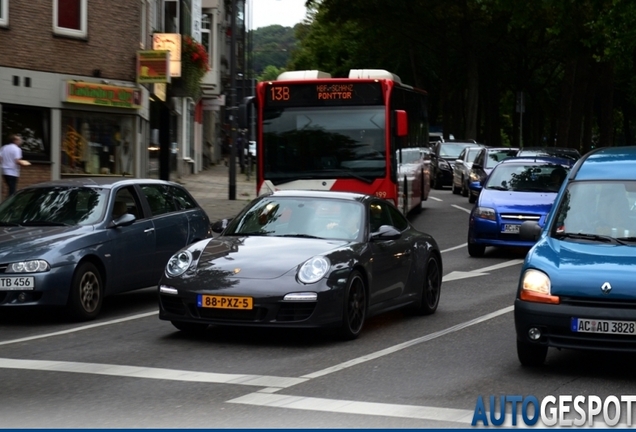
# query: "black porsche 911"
304,259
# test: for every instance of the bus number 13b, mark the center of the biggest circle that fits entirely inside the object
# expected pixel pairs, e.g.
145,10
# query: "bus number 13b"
280,93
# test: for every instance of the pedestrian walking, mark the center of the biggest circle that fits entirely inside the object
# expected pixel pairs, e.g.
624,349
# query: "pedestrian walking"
11,159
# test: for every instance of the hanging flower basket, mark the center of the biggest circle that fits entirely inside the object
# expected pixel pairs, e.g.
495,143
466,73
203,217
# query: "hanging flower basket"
194,65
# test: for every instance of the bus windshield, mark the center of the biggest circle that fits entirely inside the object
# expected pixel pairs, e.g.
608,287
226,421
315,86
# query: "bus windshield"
324,143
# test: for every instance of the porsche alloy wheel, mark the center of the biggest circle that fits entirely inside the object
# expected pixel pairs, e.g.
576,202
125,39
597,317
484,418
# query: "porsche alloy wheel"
355,307
85,300
429,299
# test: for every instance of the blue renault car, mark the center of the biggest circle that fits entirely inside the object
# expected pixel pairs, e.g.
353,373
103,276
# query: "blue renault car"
517,190
577,287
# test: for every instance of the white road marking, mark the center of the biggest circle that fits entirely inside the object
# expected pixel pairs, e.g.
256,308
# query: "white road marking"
407,344
461,208
355,407
151,373
76,329
457,275
455,248
434,198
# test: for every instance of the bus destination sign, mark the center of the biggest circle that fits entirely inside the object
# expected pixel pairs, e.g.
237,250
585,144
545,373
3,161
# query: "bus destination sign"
323,94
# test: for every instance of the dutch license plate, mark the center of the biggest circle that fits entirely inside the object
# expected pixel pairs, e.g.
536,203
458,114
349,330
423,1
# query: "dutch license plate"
17,283
510,229
584,325
225,302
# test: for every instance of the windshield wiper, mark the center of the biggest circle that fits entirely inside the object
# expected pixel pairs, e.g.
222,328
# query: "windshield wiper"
42,223
299,236
352,174
627,239
592,237
501,188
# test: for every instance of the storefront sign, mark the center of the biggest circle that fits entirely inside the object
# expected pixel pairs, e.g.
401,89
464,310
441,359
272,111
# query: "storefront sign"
169,42
159,90
153,66
104,95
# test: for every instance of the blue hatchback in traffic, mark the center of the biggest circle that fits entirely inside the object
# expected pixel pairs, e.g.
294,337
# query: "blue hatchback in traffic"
577,286
517,190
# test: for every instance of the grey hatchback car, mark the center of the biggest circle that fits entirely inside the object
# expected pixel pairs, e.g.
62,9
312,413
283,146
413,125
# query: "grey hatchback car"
72,242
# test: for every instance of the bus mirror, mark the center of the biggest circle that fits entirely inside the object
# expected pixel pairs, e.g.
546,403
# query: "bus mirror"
401,123
244,112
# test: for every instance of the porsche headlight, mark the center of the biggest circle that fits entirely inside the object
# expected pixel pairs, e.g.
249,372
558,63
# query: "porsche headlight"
485,213
32,266
313,269
536,281
179,263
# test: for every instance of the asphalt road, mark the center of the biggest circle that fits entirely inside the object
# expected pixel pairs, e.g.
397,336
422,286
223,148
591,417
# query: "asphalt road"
128,369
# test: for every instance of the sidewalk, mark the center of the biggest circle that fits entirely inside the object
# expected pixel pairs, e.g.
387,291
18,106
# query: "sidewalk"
210,188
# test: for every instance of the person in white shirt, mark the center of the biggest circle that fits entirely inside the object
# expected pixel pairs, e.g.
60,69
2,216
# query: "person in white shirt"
11,159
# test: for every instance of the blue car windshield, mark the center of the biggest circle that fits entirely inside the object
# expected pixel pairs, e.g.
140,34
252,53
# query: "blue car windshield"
527,178
54,206
605,208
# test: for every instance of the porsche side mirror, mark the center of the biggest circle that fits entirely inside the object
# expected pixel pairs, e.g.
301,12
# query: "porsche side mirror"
220,225
386,232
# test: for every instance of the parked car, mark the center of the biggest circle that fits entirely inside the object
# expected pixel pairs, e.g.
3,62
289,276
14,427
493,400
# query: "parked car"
443,157
576,288
484,162
73,242
461,169
517,190
303,259
414,165
563,152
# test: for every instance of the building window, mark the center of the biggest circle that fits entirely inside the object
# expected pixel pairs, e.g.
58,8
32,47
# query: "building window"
32,124
171,16
70,18
206,37
4,12
97,143
144,25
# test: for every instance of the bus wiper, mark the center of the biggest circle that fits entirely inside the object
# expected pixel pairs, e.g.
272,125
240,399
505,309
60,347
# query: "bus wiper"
351,174
593,237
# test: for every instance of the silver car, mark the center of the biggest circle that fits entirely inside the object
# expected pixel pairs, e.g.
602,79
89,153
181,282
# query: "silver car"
461,169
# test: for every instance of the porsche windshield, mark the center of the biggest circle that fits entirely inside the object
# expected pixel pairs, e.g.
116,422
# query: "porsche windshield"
324,143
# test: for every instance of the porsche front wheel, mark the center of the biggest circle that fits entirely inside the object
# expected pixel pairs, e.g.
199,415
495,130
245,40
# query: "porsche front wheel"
355,307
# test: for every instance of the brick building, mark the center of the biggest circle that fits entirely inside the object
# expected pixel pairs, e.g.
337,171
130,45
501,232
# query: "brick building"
68,86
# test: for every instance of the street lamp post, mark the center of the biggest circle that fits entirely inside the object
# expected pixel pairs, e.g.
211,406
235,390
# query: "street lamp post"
233,108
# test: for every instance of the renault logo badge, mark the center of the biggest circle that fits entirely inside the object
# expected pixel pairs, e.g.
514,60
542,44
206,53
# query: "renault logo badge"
606,288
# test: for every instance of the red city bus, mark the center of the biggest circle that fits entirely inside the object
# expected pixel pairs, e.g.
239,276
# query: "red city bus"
341,134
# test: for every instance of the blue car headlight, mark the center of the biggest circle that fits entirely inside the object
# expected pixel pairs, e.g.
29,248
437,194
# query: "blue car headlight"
486,213
179,263
313,269
31,266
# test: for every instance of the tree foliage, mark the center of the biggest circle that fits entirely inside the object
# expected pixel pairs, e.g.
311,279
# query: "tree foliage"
572,60
272,46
